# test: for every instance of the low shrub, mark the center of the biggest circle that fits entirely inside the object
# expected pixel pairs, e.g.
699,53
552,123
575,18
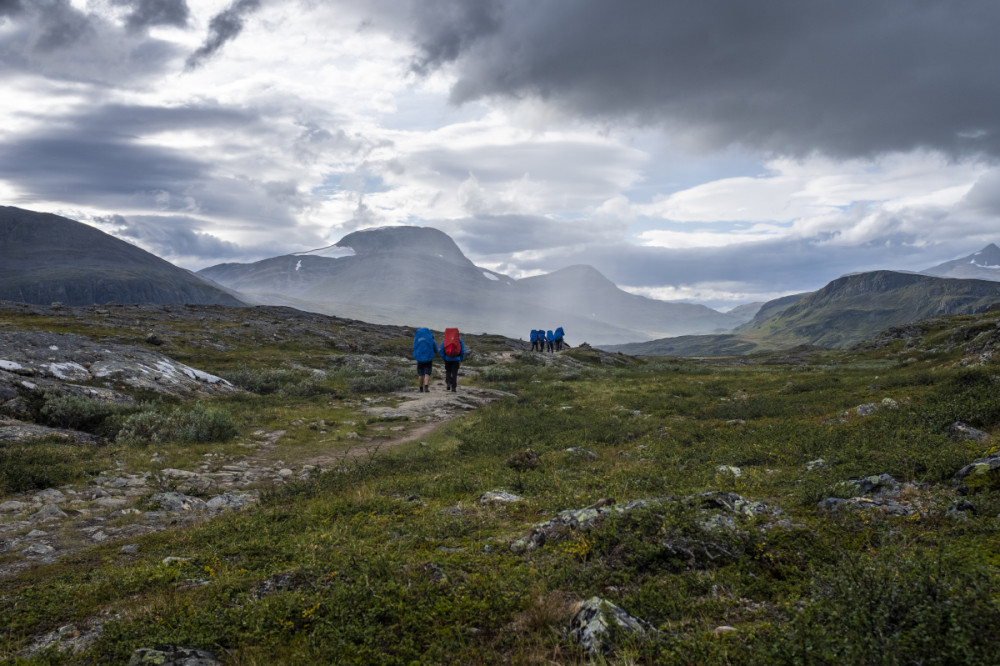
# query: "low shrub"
267,381
379,382
38,464
194,425
79,413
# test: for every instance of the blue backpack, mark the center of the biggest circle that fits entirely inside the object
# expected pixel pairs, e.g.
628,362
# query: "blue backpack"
424,347
559,333
534,336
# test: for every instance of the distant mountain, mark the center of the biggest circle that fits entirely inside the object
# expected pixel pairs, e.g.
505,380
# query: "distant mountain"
848,310
419,276
982,265
46,258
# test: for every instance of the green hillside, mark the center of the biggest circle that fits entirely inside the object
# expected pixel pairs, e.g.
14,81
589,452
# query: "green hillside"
845,312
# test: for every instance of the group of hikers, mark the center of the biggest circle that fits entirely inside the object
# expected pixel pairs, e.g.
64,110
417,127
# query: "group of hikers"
540,339
452,353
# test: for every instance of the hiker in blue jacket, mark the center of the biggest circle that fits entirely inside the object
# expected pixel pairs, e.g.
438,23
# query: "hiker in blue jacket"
424,350
550,338
559,338
534,340
451,366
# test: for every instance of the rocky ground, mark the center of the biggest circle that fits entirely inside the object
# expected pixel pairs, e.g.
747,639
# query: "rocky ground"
42,526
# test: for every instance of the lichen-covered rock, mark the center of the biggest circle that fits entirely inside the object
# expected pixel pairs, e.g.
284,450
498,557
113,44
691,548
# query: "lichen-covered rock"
960,430
570,519
983,473
736,504
177,502
499,497
172,655
589,627
883,505
877,484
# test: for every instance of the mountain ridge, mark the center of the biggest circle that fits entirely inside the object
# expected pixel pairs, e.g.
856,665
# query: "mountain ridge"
409,275
46,258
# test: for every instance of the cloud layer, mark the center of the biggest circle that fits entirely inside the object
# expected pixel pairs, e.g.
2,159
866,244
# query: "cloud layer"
719,151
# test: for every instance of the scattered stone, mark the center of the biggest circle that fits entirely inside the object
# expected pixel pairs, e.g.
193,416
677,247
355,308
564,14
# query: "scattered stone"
866,409
582,452
171,473
962,509
498,497
13,506
886,506
50,496
36,534
38,550
68,638
590,625
879,484
980,472
523,461
47,513
817,464
723,630
737,504
960,430
172,559
729,469
129,548
172,655
111,502
229,501
176,502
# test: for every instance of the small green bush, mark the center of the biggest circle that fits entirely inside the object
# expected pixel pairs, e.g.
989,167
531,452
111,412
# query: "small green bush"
380,382
198,424
79,413
266,381
39,464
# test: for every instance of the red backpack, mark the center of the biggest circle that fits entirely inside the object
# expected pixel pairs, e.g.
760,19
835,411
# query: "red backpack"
452,344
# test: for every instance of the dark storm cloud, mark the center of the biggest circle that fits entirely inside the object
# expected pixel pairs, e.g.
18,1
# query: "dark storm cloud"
147,13
95,155
223,27
170,236
54,40
10,7
846,78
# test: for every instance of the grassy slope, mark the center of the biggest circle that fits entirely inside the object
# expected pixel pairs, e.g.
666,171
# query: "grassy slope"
393,560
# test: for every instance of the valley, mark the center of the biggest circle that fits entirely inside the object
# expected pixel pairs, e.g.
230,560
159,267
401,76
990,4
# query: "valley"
740,509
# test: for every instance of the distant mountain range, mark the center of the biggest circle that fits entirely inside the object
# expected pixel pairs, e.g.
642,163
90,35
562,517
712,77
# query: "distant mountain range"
46,258
982,265
419,276
848,310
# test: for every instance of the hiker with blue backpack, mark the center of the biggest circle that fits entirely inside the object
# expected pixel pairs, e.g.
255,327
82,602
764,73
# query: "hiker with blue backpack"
453,353
534,340
559,334
550,339
424,351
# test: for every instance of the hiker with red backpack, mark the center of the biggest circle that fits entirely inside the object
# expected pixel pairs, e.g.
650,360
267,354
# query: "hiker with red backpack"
453,353
424,351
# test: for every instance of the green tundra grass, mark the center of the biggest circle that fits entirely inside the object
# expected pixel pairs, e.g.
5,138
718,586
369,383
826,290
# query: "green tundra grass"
393,559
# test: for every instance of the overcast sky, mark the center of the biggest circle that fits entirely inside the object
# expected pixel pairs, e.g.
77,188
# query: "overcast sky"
716,151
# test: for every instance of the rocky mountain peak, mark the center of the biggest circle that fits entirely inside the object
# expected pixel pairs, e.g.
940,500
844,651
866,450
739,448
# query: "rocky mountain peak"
403,240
